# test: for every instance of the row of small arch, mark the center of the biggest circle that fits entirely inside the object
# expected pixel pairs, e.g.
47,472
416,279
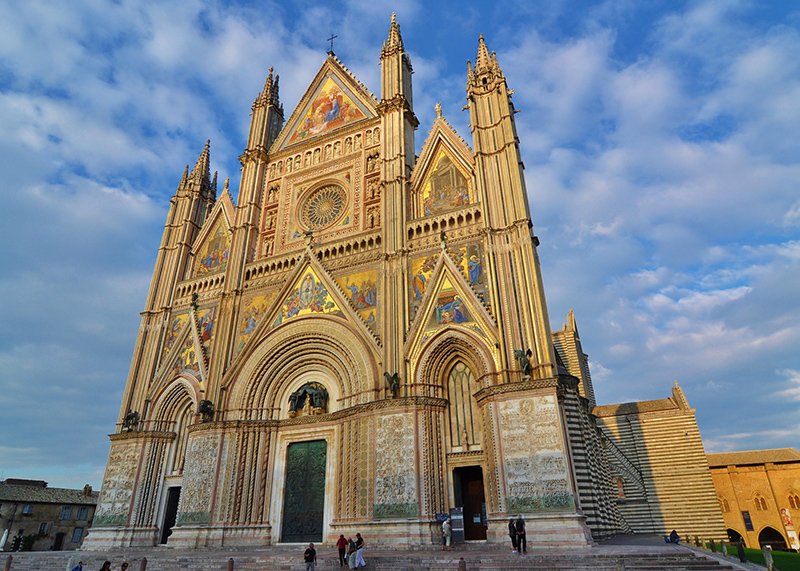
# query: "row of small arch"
328,152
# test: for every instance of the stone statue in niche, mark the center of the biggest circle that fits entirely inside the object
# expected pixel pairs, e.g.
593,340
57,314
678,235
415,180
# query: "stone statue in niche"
310,399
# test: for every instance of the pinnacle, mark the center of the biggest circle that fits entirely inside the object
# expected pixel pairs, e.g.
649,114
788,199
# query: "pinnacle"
203,166
395,39
484,59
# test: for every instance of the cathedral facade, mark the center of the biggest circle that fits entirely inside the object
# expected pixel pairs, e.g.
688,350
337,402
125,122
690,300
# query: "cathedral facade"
359,342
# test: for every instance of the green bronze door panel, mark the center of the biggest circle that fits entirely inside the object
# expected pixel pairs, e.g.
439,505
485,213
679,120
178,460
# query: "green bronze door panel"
304,492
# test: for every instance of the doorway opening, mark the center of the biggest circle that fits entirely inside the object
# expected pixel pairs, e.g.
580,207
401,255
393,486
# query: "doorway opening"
59,542
469,494
304,492
773,538
170,512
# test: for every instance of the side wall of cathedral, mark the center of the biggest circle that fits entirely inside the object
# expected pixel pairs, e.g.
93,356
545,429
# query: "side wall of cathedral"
660,468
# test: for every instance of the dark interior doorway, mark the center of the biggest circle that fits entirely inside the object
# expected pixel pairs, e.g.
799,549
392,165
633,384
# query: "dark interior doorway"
170,512
59,542
304,492
773,538
734,536
468,491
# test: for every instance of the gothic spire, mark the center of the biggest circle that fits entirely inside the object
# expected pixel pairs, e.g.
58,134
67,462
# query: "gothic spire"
484,59
268,95
202,169
394,42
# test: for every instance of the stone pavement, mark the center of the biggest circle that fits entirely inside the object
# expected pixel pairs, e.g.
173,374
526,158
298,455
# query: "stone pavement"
628,553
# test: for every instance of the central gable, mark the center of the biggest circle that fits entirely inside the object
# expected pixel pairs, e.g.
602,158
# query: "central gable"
334,99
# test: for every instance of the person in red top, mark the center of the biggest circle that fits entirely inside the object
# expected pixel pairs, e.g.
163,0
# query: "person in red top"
341,544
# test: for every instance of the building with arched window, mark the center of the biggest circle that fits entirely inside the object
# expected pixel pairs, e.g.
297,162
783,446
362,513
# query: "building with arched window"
360,341
760,490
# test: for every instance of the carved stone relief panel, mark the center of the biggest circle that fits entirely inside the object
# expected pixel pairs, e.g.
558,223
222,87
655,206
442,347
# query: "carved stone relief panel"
198,479
395,477
115,498
535,462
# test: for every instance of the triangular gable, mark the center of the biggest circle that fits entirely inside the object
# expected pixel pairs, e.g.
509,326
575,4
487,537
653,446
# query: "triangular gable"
308,295
213,244
334,99
187,355
449,302
443,177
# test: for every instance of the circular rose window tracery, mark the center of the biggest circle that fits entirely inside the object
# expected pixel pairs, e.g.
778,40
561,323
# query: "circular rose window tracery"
323,207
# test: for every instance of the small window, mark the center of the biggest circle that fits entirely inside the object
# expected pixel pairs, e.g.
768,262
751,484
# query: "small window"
794,502
83,514
761,503
66,513
77,535
43,528
620,488
27,509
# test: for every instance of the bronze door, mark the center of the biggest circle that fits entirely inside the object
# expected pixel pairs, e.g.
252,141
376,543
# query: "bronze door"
304,492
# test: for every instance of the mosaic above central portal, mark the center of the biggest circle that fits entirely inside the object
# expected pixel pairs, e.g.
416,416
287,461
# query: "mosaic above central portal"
330,109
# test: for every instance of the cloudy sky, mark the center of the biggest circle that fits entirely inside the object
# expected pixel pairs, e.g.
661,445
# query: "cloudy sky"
662,159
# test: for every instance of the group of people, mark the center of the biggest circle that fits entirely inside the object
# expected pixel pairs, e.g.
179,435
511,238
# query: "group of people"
516,531
351,553
106,566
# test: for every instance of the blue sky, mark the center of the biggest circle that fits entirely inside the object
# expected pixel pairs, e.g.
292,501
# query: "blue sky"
661,148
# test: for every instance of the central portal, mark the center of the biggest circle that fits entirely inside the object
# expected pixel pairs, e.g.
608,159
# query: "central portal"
468,484
304,492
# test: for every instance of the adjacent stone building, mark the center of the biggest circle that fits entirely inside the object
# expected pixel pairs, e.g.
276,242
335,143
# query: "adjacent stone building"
41,518
759,495
360,341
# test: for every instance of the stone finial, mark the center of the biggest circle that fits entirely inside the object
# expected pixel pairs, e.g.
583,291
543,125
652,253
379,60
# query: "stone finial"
438,109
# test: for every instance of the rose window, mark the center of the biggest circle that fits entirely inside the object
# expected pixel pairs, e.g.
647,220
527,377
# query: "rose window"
323,207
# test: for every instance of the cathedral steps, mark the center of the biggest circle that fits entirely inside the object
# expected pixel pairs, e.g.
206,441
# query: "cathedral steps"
478,558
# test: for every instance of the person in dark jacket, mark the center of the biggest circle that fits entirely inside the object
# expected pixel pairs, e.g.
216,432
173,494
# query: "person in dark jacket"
512,533
341,545
522,544
310,557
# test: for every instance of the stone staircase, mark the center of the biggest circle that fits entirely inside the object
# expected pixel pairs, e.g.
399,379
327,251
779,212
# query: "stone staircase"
289,558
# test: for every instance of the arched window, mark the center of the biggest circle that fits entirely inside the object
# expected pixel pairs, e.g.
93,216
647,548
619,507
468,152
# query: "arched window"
182,422
724,506
794,501
620,487
465,429
761,503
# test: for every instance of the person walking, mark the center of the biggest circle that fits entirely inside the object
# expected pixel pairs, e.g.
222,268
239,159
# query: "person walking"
360,551
341,545
522,544
351,553
106,566
512,533
447,534
310,557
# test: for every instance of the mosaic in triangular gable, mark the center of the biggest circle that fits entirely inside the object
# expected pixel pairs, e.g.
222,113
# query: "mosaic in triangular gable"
178,321
470,259
212,256
450,309
332,106
186,361
205,326
444,187
421,271
253,308
308,296
362,291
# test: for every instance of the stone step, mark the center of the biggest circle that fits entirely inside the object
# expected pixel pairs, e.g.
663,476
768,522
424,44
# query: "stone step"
283,558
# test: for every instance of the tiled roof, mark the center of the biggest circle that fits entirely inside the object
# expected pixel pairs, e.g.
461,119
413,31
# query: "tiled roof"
36,494
750,457
637,407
